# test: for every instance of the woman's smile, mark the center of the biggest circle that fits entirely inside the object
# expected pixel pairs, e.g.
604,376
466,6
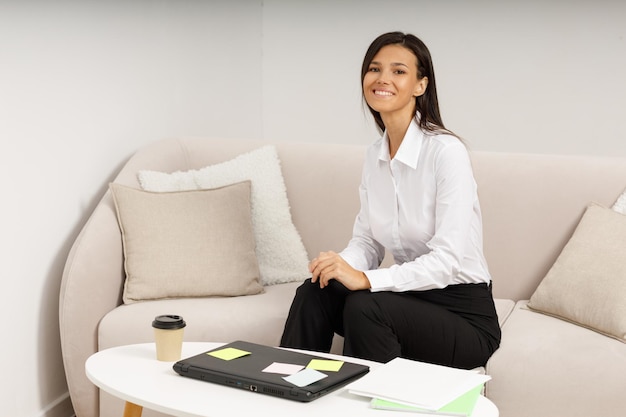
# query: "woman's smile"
383,93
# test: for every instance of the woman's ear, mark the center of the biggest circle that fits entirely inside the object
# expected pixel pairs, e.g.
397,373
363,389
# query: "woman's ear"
420,87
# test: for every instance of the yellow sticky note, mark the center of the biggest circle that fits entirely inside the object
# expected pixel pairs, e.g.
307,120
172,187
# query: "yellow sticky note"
228,354
325,365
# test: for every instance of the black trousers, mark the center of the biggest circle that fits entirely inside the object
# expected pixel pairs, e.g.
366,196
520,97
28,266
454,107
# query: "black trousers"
454,326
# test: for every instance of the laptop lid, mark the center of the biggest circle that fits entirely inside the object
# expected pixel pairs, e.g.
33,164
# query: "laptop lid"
245,365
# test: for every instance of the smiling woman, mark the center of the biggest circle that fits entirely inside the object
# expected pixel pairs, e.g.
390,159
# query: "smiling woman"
418,202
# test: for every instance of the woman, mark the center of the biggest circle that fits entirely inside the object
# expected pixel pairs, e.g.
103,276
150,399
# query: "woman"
418,201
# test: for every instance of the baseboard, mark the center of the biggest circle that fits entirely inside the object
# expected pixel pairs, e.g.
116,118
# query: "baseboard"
61,407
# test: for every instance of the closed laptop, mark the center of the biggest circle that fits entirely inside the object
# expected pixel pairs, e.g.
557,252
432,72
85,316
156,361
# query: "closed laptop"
248,371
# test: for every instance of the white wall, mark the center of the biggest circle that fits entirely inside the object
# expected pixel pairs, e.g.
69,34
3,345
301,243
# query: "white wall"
521,76
85,83
82,85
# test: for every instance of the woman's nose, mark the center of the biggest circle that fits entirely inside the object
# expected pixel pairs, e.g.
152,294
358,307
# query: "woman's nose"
382,78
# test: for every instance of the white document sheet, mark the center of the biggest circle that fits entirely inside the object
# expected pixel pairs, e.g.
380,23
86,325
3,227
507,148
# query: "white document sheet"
417,384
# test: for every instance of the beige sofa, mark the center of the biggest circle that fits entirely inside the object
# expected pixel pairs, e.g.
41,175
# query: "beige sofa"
531,205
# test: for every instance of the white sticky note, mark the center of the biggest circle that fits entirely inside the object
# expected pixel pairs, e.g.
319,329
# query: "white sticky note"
283,368
305,377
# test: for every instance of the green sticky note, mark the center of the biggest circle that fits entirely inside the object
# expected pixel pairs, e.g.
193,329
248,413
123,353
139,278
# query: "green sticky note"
325,365
228,354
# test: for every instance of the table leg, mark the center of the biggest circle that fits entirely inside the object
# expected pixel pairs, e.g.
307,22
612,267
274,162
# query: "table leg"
132,410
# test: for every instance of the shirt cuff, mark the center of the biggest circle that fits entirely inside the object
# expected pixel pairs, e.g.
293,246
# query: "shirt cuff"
380,279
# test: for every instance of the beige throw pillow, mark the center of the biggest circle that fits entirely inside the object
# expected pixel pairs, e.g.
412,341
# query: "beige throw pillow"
587,283
187,244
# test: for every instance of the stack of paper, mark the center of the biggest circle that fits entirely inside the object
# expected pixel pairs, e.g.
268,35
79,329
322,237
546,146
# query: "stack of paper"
408,385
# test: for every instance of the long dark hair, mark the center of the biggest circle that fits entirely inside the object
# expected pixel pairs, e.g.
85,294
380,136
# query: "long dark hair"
427,105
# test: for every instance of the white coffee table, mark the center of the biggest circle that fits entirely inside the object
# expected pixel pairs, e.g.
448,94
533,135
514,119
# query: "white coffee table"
133,374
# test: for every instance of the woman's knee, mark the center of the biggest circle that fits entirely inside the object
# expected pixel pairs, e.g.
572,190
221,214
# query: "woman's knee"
306,295
304,288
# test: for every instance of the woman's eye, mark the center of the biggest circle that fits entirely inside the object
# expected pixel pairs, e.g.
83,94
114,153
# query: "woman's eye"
373,69
400,72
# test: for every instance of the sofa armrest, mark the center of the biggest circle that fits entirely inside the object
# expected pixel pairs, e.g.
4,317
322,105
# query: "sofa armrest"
91,287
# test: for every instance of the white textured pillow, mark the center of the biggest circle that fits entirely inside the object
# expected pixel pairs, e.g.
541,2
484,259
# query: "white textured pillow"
279,248
620,203
587,283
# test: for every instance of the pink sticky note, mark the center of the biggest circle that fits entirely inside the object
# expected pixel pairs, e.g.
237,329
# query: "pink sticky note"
283,368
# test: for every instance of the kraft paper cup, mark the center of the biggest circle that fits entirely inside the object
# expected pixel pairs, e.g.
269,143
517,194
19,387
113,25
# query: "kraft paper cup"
168,337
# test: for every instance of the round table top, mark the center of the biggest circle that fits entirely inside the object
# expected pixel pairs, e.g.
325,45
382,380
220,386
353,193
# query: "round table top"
133,374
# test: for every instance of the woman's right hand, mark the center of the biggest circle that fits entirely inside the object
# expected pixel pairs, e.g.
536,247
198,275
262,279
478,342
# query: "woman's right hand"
330,265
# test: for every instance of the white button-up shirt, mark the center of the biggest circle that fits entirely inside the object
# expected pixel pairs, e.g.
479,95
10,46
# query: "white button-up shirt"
423,207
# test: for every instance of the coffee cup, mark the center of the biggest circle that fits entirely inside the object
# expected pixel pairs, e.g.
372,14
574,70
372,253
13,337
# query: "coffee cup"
168,336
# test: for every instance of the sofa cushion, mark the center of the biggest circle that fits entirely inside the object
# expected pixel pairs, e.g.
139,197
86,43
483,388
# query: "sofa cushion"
280,251
504,307
256,318
587,283
547,367
187,244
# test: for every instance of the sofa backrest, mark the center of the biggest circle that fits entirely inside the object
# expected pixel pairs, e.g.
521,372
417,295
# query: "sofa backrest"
531,203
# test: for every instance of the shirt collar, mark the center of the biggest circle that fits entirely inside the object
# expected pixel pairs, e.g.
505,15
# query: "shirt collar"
410,147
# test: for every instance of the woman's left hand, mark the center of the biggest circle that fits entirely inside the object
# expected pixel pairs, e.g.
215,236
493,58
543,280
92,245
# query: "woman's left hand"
329,265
